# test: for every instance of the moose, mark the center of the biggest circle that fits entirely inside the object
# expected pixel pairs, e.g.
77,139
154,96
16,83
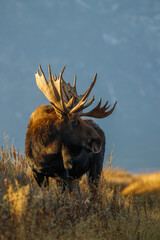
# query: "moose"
59,143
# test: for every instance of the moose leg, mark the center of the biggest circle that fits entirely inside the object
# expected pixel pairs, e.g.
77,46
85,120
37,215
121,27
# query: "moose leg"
60,184
41,179
67,163
74,186
94,176
93,182
62,181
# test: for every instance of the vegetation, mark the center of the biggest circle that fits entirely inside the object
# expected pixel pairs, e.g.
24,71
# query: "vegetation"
125,207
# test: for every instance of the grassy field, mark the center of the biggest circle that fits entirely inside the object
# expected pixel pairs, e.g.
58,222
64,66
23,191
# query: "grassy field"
126,206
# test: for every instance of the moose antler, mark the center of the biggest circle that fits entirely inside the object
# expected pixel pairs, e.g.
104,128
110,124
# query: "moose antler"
81,105
100,112
70,94
65,99
52,90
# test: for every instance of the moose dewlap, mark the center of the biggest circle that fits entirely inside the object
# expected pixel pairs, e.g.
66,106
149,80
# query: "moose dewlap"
59,144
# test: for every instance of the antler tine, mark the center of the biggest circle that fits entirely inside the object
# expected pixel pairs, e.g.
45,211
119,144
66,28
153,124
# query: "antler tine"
106,105
100,112
49,70
54,77
61,73
51,82
90,88
104,108
80,106
61,95
42,74
70,102
60,79
74,84
88,104
42,83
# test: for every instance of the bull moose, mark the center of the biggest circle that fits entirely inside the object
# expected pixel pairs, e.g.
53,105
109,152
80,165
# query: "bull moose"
59,143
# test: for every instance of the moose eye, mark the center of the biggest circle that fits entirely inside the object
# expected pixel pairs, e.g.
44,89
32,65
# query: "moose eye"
74,123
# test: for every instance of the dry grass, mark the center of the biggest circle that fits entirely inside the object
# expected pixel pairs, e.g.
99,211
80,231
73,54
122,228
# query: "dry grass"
117,212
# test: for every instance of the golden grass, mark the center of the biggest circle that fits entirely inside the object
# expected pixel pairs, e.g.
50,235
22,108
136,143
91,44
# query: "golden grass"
147,183
125,207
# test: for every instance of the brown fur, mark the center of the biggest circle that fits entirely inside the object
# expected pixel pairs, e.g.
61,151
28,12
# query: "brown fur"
63,148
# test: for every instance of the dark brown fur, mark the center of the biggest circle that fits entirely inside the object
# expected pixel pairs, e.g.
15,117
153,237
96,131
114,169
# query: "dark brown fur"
62,149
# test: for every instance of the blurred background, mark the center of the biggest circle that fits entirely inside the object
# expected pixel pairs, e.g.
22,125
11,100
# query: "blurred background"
120,40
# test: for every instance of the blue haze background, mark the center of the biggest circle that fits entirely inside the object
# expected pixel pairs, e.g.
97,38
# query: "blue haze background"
120,40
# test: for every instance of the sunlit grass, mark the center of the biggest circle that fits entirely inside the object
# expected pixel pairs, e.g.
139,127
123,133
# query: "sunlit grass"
125,207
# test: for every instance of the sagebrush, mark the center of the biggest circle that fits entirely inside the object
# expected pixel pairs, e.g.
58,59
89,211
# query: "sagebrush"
30,212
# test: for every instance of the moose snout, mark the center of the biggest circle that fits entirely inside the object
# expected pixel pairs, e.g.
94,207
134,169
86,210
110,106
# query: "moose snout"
94,145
